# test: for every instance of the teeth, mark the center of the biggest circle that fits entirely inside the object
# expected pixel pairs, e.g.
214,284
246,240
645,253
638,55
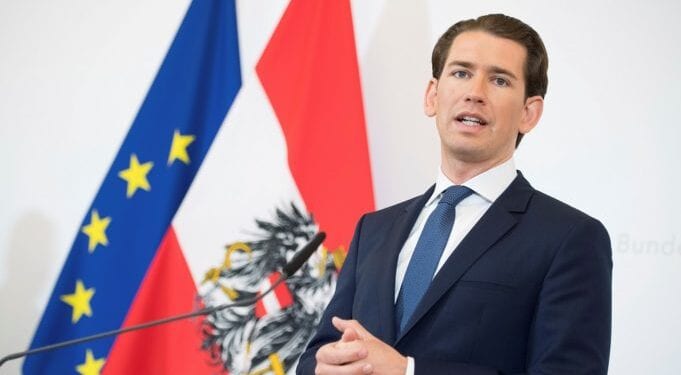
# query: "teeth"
470,121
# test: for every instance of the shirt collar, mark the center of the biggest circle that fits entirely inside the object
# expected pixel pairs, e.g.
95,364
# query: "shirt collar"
489,184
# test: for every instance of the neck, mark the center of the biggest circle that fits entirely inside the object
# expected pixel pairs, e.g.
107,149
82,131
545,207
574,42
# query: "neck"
460,171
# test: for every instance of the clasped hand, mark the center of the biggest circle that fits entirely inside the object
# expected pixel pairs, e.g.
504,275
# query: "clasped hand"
358,352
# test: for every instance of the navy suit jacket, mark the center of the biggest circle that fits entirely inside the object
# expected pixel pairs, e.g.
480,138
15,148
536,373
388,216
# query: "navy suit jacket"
528,291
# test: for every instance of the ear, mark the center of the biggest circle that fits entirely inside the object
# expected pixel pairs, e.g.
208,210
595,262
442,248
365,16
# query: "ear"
430,99
534,106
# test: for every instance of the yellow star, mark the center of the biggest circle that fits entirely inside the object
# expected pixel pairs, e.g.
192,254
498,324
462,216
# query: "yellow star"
91,366
96,231
136,175
79,301
178,150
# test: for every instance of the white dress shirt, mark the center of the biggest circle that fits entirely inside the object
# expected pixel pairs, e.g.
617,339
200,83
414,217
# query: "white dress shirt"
487,187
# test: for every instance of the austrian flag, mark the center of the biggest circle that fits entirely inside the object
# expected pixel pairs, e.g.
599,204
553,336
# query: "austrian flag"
280,298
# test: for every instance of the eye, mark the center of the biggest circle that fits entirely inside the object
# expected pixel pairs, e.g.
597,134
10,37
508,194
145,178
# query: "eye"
501,82
461,74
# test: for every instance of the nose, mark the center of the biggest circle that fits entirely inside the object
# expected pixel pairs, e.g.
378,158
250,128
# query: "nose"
476,91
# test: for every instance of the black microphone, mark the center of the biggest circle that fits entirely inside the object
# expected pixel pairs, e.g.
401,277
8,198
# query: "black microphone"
303,255
299,258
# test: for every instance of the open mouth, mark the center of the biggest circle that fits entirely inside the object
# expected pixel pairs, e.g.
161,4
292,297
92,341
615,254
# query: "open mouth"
471,120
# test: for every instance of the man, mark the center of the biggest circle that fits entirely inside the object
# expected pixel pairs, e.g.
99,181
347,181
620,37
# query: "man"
482,274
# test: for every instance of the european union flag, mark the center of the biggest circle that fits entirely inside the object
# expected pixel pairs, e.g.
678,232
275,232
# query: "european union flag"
122,230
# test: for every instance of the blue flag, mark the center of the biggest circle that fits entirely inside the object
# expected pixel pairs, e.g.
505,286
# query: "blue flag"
122,229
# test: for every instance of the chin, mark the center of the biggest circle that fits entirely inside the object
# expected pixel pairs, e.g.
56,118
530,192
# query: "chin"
467,154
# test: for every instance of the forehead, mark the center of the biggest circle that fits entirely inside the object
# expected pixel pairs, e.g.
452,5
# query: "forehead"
485,50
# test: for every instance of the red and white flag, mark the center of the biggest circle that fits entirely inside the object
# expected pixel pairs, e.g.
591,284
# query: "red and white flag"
291,159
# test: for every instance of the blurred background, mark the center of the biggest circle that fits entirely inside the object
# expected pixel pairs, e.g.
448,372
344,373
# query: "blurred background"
73,76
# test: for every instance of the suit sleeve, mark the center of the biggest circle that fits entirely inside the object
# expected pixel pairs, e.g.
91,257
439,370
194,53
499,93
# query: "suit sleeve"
340,306
571,328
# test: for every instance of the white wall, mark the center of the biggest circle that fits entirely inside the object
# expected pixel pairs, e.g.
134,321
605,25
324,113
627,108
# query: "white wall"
73,74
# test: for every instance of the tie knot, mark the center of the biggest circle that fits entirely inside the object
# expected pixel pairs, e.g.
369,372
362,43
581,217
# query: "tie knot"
455,194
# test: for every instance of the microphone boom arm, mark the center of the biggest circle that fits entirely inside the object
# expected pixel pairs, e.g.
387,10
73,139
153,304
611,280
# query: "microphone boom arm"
289,269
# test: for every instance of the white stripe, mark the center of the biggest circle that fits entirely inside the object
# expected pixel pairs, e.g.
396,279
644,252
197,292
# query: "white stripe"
270,301
244,176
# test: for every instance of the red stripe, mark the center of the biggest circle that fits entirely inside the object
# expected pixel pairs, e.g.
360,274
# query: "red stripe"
282,293
174,348
260,310
310,74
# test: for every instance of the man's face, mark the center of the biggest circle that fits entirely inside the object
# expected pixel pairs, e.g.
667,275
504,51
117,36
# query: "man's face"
479,100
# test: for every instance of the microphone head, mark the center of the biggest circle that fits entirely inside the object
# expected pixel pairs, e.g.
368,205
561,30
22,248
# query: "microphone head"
303,255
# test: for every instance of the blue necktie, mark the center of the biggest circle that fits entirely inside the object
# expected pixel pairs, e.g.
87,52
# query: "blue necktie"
427,254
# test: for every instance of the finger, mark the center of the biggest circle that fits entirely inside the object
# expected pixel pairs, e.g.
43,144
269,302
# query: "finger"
349,369
342,324
340,353
350,334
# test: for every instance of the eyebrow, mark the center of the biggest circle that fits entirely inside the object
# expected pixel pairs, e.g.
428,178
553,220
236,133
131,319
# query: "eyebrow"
494,69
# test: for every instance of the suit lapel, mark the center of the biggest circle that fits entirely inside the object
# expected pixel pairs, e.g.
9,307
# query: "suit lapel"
386,259
490,228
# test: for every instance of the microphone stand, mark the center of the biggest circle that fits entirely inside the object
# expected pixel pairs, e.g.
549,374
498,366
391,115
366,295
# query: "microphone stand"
289,269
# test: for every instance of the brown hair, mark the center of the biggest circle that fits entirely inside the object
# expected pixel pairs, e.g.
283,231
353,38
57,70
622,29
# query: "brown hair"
503,26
